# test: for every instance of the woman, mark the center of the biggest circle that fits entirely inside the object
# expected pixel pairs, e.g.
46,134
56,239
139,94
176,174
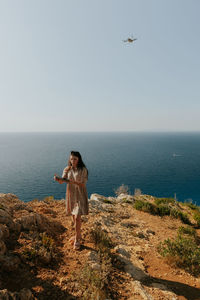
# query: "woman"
76,175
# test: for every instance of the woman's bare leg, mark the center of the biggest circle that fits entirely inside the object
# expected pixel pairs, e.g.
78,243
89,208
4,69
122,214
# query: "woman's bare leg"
73,220
77,228
73,238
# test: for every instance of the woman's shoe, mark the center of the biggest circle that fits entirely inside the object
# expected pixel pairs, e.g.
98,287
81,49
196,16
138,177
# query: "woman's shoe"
71,240
77,245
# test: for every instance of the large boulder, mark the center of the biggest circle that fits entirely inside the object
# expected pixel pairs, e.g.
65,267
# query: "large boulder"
97,197
103,199
36,222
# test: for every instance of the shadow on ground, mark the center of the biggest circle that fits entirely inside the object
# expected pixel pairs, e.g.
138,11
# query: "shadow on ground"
178,288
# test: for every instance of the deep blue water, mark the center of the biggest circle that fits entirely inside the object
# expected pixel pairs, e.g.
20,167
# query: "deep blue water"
28,162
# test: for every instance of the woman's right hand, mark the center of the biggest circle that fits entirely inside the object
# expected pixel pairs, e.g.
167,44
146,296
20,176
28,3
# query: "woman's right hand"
57,178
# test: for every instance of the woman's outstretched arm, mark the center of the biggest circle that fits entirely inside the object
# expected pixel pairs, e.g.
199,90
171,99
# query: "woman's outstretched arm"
60,180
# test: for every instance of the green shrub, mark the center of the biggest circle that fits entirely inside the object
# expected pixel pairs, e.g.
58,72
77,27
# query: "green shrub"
184,218
101,239
188,230
163,210
197,218
93,283
175,213
42,249
183,252
159,201
191,205
145,206
47,241
48,199
180,215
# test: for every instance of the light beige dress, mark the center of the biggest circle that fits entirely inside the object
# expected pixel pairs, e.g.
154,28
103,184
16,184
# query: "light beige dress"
76,196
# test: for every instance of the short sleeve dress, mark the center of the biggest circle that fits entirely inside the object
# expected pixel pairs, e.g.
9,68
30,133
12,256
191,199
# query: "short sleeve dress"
76,196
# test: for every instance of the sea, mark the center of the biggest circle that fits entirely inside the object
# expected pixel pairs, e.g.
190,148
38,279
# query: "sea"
161,164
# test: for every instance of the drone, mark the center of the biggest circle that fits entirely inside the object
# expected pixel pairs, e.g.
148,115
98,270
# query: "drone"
130,40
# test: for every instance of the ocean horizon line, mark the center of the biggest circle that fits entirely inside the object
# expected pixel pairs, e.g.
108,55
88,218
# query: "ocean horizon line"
114,131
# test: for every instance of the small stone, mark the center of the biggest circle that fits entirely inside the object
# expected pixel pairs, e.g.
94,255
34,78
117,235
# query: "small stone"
140,234
149,231
95,266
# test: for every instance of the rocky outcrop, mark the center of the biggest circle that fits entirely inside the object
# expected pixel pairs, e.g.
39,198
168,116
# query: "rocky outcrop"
19,221
35,250
132,238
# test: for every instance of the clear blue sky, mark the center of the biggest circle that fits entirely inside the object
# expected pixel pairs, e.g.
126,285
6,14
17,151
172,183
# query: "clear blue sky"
64,66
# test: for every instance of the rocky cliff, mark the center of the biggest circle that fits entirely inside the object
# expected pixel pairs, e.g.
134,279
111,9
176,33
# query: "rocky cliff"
119,257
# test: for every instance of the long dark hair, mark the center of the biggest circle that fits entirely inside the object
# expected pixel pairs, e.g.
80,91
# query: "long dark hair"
81,164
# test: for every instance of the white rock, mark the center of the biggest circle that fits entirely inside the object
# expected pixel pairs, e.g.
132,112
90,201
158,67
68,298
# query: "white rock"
124,197
95,266
93,257
96,205
167,293
113,199
121,250
97,197
94,260
141,290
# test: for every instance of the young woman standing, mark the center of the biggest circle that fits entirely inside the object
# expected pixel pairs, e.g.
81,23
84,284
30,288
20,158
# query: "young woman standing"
76,175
